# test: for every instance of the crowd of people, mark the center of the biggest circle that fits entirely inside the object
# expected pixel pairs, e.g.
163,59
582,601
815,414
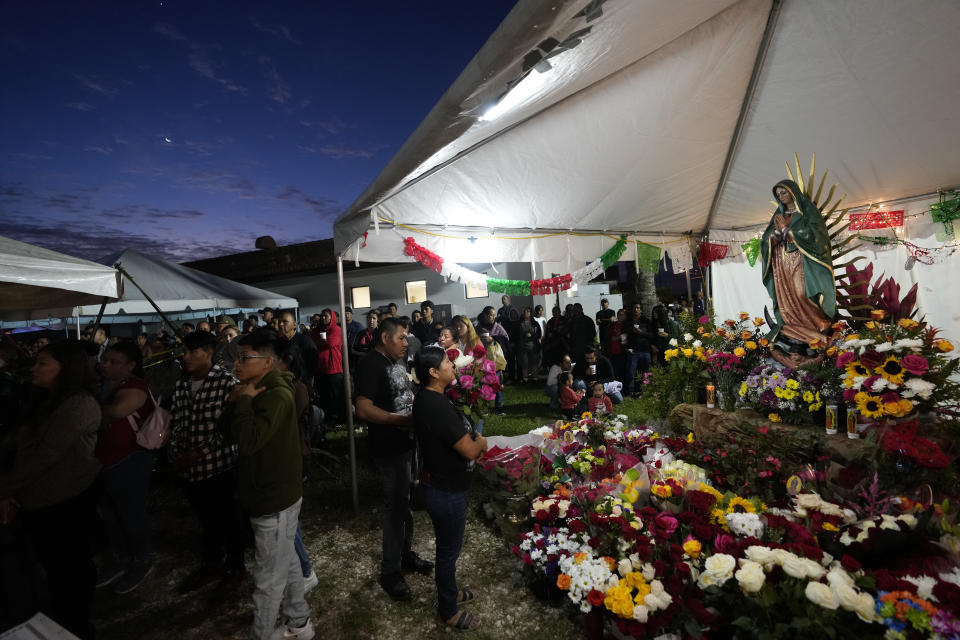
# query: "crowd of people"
246,406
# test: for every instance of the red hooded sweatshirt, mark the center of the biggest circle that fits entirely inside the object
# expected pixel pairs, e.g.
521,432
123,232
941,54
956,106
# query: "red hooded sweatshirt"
329,349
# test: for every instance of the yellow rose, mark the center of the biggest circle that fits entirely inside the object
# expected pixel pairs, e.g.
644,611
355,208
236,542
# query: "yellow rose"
758,322
687,353
661,490
943,345
907,323
739,352
692,548
750,345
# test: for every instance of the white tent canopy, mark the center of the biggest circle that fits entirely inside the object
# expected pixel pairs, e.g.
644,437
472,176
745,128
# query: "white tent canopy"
176,288
664,118
37,283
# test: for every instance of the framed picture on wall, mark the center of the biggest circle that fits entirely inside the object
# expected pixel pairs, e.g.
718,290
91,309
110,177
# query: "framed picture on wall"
360,297
416,291
473,291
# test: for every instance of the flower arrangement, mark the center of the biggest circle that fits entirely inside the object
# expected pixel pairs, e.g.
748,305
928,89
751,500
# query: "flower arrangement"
742,337
782,394
476,384
513,471
894,368
727,370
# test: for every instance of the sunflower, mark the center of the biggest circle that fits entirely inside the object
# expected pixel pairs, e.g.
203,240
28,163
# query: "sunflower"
891,370
719,518
870,406
740,505
855,369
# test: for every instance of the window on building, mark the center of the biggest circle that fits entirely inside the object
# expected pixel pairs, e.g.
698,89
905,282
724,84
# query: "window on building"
416,291
476,291
360,297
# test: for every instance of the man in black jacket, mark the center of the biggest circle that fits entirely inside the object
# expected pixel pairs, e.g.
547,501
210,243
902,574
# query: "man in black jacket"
594,367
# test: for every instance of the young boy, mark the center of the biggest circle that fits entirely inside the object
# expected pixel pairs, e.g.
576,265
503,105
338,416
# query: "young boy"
599,402
569,399
262,419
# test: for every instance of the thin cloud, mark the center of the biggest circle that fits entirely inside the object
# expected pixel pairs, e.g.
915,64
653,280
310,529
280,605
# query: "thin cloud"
342,151
101,150
169,31
94,84
200,62
277,30
333,127
279,90
79,106
324,206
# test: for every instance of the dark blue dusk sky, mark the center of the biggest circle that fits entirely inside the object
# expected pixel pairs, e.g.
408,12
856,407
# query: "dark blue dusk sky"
186,129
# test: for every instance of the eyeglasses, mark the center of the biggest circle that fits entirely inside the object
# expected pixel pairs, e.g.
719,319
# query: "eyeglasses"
245,357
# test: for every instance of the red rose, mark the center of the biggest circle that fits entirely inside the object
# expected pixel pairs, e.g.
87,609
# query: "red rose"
479,351
595,597
871,359
917,365
453,354
929,454
849,395
849,563
700,501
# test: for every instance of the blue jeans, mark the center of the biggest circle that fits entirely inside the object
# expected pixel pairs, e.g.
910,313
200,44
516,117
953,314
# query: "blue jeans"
123,505
276,572
551,391
636,362
448,511
301,550
397,517
498,400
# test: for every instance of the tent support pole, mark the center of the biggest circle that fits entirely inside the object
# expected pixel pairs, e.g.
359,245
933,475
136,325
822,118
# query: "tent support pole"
765,41
347,395
176,330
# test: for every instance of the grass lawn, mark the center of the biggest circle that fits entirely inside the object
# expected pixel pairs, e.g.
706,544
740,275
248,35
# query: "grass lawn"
344,549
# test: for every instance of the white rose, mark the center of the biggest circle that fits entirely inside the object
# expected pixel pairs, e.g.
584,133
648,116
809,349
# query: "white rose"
814,570
463,361
847,597
794,567
673,342
624,567
908,519
697,344
648,572
820,594
763,555
687,337
640,613
722,565
866,608
750,576
837,576
809,501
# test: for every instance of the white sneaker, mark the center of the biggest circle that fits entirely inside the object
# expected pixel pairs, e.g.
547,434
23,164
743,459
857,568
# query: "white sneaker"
306,632
310,581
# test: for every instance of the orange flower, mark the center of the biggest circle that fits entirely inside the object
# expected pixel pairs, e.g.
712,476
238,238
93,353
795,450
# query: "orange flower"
739,352
579,557
563,581
758,322
907,323
832,351
764,342
870,324
943,345
611,563
746,335
878,314
750,345
839,326
816,344
744,315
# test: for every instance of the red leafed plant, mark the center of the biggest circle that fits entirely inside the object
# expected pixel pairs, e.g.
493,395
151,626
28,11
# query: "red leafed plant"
885,295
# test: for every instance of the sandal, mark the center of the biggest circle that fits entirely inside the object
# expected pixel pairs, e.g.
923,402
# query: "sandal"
464,621
465,595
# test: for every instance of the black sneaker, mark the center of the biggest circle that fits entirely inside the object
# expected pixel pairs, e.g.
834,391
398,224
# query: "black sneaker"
136,574
412,563
395,586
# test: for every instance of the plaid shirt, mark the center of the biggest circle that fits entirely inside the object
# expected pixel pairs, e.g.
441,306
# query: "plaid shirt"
194,425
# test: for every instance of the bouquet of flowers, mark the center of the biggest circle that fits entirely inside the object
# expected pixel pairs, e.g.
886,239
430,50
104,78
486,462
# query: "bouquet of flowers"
727,370
784,394
892,369
515,471
741,337
476,383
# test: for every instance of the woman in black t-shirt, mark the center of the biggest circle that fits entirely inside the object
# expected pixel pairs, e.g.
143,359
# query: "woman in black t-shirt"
447,448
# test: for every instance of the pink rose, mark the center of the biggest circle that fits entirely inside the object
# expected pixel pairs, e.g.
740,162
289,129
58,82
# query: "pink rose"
845,358
489,366
871,359
490,378
849,395
917,365
704,319
890,397
466,382
666,523
487,393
